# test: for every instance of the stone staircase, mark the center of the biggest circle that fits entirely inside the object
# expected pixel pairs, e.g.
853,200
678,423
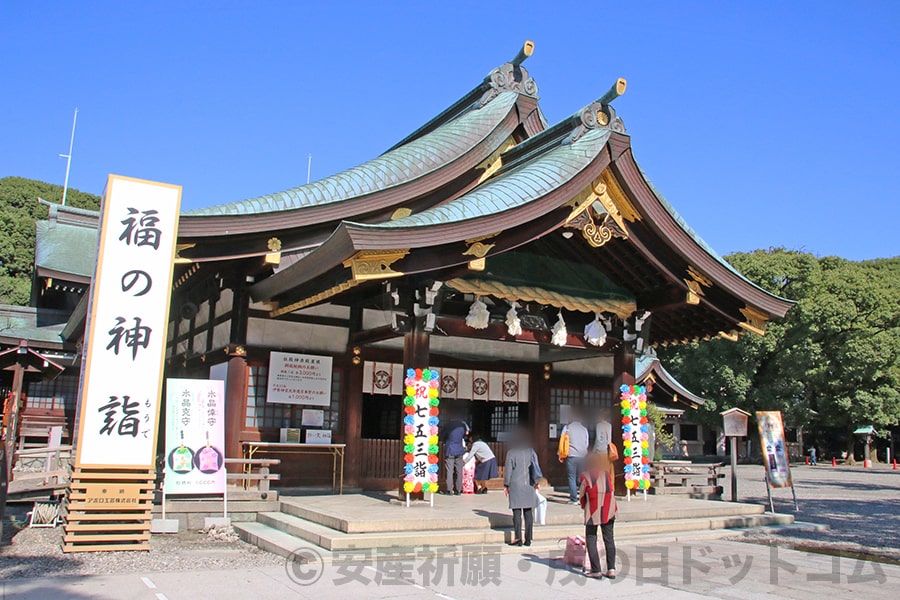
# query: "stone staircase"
360,522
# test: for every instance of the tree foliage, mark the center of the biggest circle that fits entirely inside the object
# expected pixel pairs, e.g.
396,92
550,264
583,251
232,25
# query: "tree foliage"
19,210
833,361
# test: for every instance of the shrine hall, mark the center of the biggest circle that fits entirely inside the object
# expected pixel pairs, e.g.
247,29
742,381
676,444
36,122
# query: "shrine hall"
530,264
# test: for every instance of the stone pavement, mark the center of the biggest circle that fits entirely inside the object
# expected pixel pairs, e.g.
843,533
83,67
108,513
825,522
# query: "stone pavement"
852,502
686,569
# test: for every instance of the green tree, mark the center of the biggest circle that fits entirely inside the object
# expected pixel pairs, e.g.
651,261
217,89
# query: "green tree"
834,360
19,210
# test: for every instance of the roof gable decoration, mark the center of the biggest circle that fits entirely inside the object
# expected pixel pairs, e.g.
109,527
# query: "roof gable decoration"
511,77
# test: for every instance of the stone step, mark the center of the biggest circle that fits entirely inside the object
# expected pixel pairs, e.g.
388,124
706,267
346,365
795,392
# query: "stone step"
384,518
300,531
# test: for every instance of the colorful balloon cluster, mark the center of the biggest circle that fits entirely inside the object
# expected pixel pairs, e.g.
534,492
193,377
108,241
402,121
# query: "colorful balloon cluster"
420,430
635,437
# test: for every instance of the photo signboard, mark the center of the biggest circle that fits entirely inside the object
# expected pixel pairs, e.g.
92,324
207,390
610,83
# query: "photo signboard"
126,330
775,456
195,436
299,379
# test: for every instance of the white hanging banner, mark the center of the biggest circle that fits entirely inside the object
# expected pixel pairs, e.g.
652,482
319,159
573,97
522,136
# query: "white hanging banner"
523,388
449,383
462,384
118,404
480,385
495,387
195,436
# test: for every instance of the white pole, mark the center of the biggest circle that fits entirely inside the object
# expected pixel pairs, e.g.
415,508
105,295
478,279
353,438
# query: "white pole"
407,499
308,168
225,497
68,158
164,501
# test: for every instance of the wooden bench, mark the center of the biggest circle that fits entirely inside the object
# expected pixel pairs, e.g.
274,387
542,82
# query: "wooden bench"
34,429
262,476
685,477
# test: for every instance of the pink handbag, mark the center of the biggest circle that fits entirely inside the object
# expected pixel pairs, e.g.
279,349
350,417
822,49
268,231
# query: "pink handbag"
576,551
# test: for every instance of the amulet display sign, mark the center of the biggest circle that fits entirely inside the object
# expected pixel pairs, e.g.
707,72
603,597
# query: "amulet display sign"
126,329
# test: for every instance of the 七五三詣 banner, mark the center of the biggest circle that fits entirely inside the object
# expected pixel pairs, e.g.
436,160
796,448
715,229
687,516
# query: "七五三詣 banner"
126,328
635,437
420,430
195,436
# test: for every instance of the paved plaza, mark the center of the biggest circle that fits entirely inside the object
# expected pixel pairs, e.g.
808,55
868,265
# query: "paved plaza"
702,568
858,506
861,507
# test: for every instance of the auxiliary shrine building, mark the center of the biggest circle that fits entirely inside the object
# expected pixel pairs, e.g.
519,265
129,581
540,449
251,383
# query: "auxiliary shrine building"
528,263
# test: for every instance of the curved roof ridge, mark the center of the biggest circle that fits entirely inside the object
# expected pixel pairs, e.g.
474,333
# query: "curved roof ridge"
510,76
395,167
648,363
676,216
521,184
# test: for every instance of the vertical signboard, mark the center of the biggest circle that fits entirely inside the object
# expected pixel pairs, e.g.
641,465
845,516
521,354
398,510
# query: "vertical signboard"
124,353
775,456
299,379
420,430
635,437
195,436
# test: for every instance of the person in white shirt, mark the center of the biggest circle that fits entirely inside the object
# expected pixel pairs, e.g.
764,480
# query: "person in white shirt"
485,465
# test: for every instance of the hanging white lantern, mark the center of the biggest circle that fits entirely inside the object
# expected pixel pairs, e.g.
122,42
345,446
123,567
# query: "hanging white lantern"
513,322
479,316
595,332
559,332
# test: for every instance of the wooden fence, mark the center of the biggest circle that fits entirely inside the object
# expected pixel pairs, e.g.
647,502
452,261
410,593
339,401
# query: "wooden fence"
382,460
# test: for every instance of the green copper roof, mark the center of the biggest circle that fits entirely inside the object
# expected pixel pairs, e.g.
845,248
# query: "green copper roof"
644,364
32,324
395,167
520,185
65,248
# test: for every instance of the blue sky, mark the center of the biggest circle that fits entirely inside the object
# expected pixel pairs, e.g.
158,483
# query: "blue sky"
764,124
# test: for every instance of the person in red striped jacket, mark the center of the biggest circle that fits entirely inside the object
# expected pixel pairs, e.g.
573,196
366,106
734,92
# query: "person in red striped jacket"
597,498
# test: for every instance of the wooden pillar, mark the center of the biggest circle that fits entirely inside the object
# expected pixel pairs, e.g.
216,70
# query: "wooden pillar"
416,350
235,406
623,374
539,412
352,408
12,427
351,404
240,314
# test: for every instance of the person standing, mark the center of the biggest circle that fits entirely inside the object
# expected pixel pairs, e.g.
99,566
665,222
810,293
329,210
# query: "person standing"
812,455
579,442
454,437
521,477
597,498
603,436
485,463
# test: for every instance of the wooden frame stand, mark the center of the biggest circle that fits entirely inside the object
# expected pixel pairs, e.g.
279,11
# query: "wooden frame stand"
109,510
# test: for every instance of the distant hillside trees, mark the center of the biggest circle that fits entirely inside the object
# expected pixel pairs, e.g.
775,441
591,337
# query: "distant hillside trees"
19,210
